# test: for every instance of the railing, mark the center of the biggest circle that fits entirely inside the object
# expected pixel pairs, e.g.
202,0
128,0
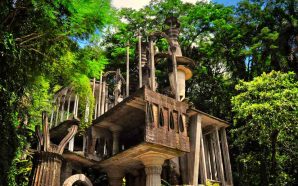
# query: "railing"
66,101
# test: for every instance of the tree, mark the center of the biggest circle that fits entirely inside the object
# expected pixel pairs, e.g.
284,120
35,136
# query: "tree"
269,33
265,132
207,33
38,52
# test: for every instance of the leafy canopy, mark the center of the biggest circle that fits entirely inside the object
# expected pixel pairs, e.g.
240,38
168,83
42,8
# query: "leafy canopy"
265,132
38,54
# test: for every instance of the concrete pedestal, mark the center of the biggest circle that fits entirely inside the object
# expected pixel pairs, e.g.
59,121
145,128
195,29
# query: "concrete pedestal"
47,167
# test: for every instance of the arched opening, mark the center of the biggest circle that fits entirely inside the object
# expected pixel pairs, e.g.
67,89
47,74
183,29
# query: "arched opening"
79,183
181,123
171,121
149,114
77,180
161,118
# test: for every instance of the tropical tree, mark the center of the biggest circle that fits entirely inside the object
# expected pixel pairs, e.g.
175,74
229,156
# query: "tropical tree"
205,37
269,33
265,132
38,54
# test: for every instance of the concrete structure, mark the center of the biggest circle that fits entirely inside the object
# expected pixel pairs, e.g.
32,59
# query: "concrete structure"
139,134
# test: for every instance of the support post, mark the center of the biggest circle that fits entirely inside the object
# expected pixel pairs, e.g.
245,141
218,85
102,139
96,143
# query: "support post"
127,70
213,159
52,117
75,105
57,112
226,156
219,158
115,132
62,108
84,143
194,155
203,167
152,66
87,110
140,58
117,88
107,99
175,74
99,96
68,106
103,97
207,158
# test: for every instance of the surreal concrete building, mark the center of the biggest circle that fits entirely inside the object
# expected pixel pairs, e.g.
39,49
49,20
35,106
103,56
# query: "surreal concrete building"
139,135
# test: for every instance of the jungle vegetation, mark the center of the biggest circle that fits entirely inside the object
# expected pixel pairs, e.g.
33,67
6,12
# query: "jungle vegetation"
246,72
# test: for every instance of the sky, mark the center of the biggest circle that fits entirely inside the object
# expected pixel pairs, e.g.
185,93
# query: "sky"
137,4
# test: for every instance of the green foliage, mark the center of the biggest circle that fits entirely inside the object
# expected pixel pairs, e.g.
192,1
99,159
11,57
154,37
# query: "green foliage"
81,85
38,53
209,183
265,133
268,29
37,99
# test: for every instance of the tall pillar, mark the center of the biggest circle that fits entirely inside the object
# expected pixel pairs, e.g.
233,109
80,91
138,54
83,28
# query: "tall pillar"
219,158
115,176
153,166
226,156
194,155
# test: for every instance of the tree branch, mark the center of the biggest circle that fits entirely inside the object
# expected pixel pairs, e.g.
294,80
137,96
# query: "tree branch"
32,38
37,51
23,37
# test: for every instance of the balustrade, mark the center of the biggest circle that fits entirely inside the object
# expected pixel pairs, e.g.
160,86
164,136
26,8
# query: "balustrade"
66,104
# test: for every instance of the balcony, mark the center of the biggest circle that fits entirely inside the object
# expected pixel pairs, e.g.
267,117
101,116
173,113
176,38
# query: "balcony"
144,122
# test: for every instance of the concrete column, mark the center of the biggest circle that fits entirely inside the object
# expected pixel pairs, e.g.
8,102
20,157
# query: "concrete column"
226,156
194,155
115,142
115,176
153,175
116,132
153,166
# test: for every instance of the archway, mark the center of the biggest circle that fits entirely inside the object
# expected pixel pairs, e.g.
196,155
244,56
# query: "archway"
77,178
